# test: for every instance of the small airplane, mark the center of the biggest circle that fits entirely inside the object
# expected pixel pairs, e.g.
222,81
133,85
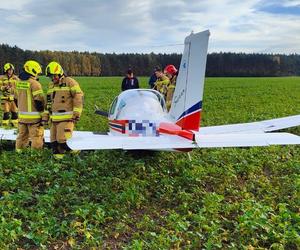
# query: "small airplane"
138,119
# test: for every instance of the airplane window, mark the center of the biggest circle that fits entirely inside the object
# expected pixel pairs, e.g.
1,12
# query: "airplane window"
161,100
121,105
113,106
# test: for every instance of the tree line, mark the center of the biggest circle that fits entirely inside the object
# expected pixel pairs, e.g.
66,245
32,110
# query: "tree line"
111,64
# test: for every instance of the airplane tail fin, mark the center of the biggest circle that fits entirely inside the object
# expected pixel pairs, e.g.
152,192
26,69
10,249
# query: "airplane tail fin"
187,100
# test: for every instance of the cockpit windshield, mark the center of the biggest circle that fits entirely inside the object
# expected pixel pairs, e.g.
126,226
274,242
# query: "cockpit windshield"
138,99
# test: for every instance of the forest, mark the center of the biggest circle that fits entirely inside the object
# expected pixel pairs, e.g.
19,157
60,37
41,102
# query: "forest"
220,64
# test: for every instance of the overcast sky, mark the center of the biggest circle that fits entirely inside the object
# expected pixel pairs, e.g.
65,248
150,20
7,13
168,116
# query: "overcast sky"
150,25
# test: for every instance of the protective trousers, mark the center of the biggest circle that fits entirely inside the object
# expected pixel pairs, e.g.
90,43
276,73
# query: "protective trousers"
30,132
60,132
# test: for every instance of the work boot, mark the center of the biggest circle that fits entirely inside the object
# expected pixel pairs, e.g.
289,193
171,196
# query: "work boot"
4,123
14,119
14,123
5,119
58,156
63,147
54,147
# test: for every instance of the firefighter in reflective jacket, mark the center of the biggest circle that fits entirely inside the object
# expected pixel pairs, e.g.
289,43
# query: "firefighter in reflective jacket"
171,72
8,87
64,106
31,103
162,82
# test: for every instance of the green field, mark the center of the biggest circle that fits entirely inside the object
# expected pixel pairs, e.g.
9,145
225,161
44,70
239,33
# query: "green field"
221,199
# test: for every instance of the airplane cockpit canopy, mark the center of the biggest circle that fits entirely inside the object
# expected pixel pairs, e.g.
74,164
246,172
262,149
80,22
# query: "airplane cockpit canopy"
136,103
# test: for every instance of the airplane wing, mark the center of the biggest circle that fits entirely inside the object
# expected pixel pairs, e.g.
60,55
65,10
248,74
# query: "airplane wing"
170,142
234,135
85,142
8,134
254,127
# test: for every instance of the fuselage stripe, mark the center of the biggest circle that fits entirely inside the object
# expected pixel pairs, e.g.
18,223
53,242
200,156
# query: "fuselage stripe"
199,110
116,125
193,109
118,130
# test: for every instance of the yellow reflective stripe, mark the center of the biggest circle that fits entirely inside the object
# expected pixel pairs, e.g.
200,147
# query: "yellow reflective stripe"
62,113
9,98
56,116
79,110
61,89
76,89
34,93
29,104
7,81
10,81
61,117
51,90
29,116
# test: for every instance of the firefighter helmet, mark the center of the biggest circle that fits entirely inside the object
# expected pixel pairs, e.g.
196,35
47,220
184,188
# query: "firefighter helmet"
171,69
8,66
54,68
33,68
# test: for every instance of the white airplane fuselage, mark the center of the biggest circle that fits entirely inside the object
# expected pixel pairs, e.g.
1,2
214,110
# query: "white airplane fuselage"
137,112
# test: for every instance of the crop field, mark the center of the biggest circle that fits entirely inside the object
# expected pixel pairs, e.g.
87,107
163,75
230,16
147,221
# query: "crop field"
246,198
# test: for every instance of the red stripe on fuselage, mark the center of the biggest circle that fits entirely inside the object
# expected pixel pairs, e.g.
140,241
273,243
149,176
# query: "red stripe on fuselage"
173,129
190,122
119,122
116,129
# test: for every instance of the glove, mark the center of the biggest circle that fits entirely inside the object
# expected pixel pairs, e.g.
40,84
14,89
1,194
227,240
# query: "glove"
76,117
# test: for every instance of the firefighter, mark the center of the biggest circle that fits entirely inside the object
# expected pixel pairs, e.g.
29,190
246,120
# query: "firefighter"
171,72
31,104
162,82
64,106
8,86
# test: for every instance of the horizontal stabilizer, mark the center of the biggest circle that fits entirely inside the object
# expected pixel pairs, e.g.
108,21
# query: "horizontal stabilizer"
245,140
254,127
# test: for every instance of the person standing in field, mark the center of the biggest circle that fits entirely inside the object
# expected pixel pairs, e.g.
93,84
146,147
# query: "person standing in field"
31,103
130,81
162,82
171,72
64,107
152,79
8,86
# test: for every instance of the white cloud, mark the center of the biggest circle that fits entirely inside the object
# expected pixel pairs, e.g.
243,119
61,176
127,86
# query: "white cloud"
290,3
16,5
143,25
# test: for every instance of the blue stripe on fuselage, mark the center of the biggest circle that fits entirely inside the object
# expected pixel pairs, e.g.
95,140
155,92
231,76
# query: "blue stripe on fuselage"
116,126
192,109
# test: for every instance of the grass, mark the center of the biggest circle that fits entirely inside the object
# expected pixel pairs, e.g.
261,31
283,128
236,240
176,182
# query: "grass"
222,199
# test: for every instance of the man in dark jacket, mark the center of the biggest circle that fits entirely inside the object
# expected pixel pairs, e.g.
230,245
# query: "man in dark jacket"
153,78
130,81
